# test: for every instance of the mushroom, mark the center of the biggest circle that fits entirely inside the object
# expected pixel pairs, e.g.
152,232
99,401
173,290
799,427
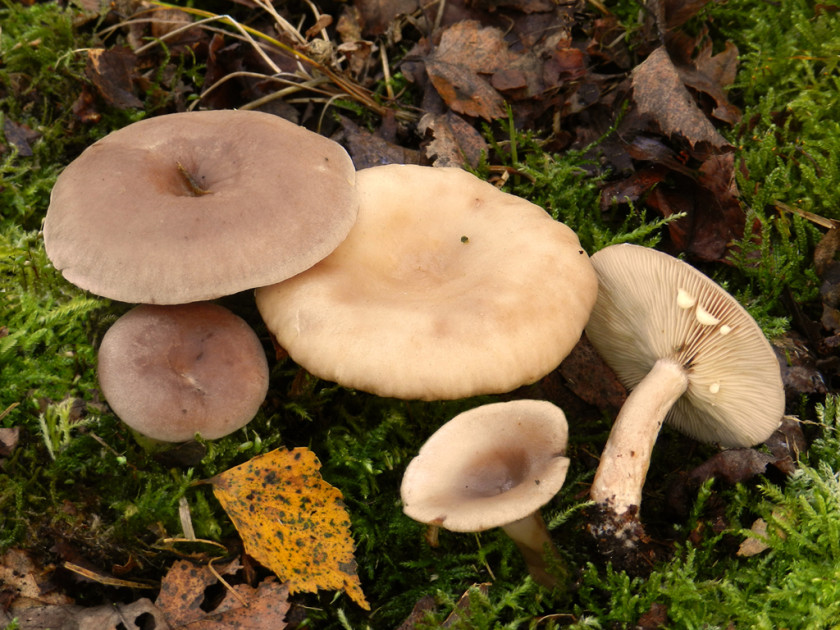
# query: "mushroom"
691,355
170,372
493,466
194,206
445,288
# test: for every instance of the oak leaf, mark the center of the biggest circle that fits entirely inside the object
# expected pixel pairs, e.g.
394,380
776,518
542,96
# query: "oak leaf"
292,521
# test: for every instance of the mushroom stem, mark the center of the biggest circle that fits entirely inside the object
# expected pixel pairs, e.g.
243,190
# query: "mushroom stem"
626,456
531,537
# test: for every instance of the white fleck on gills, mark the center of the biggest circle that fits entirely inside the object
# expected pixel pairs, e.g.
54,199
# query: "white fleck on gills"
685,300
705,318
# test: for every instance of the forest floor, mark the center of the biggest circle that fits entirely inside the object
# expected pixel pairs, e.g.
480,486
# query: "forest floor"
708,130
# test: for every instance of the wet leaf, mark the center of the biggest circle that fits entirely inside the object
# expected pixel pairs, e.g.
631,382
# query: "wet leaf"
292,521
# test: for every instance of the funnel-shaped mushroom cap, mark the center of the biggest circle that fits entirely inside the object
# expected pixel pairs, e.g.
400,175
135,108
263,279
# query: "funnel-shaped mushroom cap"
488,466
652,306
170,372
194,206
445,288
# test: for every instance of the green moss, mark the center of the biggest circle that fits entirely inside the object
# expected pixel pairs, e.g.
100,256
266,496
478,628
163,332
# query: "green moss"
788,141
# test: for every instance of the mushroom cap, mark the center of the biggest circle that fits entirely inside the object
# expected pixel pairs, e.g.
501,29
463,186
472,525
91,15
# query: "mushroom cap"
652,306
193,206
445,288
488,466
170,372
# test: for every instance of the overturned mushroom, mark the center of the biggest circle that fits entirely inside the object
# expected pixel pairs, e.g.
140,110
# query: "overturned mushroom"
493,466
194,206
445,288
170,372
691,355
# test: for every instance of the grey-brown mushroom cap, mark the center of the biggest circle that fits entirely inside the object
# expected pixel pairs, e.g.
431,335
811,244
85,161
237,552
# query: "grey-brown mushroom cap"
445,288
193,206
170,372
652,306
489,466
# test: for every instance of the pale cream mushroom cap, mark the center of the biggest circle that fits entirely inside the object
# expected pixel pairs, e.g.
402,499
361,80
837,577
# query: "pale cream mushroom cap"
446,287
170,372
193,206
652,306
489,466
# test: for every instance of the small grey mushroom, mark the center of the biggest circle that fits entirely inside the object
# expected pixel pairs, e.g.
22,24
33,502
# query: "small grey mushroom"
171,372
494,466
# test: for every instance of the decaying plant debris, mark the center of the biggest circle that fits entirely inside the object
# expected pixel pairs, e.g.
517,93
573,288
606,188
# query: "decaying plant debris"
707,130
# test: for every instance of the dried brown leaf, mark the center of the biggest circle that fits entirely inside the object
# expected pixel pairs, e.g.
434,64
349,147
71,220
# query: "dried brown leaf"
722,67
720,219
656,617
660,96
754,546
464,91
121,616
590,378
19,136
371,149
678,12
454,142
826,250
112,71
481,49
723,110
8,440
182,599
377,16
419,613
26,582
465,52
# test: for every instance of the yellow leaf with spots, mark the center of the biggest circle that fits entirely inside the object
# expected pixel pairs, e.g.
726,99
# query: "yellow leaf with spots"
292,521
